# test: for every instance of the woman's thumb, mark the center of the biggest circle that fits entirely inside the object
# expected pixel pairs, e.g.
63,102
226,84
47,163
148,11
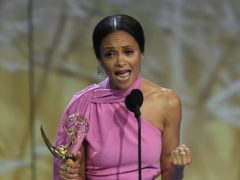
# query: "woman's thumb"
77,156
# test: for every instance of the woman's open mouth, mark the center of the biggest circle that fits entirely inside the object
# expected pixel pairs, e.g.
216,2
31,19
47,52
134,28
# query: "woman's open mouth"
123,75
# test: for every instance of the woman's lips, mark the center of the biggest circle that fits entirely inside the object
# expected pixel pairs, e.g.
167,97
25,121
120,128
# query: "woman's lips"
123,75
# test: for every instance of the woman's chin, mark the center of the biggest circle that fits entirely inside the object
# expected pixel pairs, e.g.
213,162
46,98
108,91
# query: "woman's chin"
122,83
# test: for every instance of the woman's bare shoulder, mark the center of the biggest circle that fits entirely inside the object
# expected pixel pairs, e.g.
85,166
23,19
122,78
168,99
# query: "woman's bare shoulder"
161,104
164,96
150,88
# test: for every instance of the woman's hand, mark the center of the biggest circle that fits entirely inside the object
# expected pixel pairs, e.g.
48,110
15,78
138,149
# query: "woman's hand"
181,156
70,169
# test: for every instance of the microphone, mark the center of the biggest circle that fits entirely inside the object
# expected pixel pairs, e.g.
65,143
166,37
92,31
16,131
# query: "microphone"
134,101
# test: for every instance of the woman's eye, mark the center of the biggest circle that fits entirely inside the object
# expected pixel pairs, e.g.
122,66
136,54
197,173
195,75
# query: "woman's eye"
129,52
109,54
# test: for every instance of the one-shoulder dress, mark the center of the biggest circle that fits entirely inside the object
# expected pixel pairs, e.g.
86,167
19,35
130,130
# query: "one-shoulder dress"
112,137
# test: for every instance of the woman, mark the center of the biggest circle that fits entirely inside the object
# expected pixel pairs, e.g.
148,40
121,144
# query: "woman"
106,147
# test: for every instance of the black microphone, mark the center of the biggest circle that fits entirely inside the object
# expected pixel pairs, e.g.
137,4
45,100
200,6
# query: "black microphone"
134,101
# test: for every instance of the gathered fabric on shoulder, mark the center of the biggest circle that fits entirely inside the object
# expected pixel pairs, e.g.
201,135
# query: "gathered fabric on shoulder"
112,141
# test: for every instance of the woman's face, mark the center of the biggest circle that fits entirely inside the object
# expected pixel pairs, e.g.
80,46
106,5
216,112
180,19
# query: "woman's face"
120,58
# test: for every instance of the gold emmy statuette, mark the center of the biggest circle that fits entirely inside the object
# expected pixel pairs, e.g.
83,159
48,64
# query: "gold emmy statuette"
60,152
75,126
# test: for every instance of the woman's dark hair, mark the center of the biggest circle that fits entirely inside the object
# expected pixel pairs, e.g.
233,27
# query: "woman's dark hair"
117,22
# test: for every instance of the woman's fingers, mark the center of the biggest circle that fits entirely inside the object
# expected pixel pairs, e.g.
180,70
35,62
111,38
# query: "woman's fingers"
68,175
71,169
176,159
188,155
181,156
78,157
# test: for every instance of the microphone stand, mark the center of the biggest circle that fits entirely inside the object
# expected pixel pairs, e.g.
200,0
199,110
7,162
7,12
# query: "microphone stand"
137,114
133,102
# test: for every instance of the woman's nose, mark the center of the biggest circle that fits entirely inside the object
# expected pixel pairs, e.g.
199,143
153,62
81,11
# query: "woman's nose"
120,60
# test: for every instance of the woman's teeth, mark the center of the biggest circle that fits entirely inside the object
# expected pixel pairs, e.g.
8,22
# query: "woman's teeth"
123,75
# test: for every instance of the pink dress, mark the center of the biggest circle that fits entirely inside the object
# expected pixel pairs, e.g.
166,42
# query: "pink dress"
112,144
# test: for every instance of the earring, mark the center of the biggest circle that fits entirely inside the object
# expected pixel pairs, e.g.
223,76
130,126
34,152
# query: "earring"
100,70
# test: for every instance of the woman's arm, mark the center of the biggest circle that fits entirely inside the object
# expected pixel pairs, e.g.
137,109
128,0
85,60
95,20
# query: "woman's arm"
173,158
